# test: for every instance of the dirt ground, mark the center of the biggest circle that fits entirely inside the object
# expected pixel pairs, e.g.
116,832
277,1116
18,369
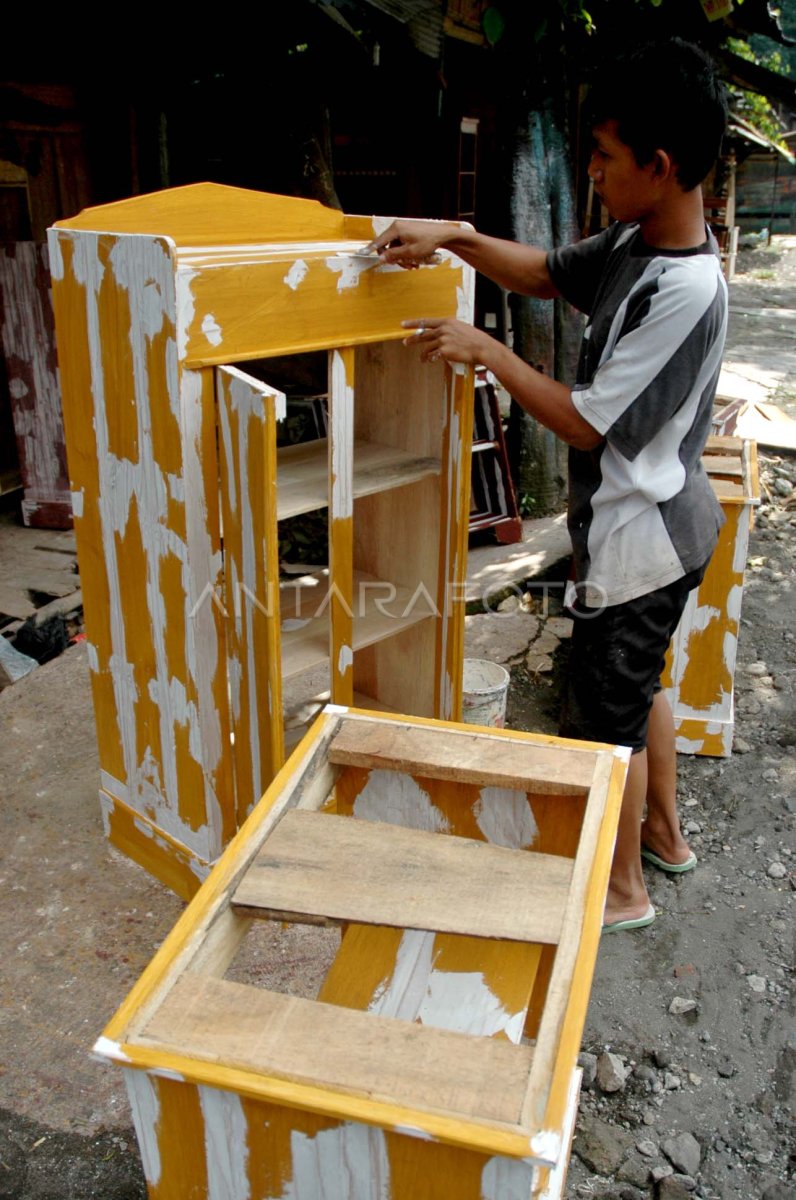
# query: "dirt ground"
690,1042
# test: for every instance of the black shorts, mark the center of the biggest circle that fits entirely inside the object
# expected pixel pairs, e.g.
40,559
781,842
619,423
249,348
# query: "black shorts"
615,663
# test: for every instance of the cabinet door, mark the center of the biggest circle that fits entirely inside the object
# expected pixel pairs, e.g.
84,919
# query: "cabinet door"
247,415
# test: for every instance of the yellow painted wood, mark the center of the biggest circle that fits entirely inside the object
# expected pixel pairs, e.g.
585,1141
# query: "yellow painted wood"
166,859
561,1026
212,214
341,522
270,316
454,533
700,663
247,444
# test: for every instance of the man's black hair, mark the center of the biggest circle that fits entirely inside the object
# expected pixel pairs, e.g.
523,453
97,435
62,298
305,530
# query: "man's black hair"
665,96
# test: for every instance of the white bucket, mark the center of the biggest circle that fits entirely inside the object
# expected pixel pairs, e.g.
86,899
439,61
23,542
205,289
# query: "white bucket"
484,689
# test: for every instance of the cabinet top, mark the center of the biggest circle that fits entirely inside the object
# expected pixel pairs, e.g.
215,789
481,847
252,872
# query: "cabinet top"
212,214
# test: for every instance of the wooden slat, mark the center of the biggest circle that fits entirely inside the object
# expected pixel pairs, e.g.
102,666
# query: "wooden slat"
395,1061
324,869
724,464
468,758
381,610
304,477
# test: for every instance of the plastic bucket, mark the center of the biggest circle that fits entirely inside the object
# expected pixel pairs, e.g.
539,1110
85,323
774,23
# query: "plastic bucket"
485,686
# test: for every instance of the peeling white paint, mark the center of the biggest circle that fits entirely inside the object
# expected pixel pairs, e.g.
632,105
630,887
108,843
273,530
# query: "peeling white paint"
114,786
348,1162
345,659
401,995
413,1131
342,438
93,657
462,1002
212,330
18,388
167,1073
145,1105
507,1179
545,1146
77,503
186,308
106,1048
55,254
505,817
226,1145
704,616
398,800
296,274
623,753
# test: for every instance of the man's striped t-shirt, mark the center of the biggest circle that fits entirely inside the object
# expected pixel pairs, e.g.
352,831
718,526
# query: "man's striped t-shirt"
641,510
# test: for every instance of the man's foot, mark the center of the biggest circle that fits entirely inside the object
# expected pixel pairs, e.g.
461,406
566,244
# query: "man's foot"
666,849
669,867
631,922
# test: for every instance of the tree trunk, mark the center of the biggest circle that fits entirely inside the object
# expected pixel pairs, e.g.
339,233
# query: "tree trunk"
546,334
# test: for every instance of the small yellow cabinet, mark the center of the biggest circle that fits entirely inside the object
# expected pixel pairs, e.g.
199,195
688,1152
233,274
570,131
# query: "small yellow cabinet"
700,665
466,870
196,650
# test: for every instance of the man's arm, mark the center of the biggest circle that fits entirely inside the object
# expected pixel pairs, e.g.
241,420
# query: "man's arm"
512,265
545,399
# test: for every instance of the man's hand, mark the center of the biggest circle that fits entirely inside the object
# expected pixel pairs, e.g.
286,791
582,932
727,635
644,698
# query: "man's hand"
444,337
411,243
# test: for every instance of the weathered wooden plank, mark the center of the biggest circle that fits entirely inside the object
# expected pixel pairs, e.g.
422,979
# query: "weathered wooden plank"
339,1048
468,757
324,869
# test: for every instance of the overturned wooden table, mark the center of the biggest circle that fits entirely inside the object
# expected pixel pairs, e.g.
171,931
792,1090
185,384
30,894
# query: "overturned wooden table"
467,870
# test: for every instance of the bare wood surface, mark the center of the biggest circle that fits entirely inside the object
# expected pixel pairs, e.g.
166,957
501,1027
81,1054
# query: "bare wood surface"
440,753
304,476
395,1061
322,869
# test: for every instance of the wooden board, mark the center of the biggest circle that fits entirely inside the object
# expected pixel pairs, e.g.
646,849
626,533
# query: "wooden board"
304,473
395,1061
324,869
467,757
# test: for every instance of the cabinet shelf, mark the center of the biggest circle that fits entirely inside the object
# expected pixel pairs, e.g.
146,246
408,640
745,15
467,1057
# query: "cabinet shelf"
303,473
381,610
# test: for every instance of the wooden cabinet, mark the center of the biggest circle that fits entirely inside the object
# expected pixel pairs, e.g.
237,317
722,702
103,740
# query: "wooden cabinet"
435,1053
164,304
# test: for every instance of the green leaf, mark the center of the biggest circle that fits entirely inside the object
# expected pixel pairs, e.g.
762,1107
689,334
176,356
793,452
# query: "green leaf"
493,25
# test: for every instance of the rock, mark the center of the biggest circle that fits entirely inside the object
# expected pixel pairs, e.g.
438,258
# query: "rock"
635,1169
498,637
588,1064
647,1148
757,983
680,1005
683,1152
693,827
741,746
611,1073
783,487
777,870
661,1171
671,1082
726,1069
540,664
14,665
546,643
770,775
673,1188
756,668
778,1191
600,1146
661,1057
560,626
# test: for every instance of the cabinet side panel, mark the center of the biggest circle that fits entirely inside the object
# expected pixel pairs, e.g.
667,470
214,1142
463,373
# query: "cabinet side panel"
145,478
72,288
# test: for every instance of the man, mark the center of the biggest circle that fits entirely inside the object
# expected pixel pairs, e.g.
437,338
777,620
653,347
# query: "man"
641,514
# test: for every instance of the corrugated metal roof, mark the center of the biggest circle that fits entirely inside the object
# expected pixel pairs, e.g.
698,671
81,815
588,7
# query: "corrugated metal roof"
422,18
